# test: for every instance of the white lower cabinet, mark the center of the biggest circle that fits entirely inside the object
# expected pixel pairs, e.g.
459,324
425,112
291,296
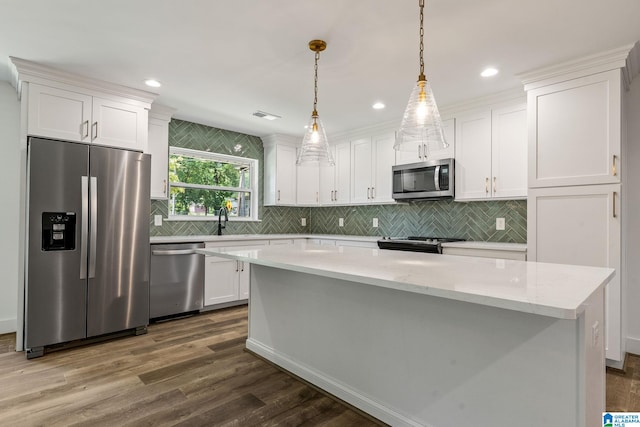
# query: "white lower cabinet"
581,225
225,280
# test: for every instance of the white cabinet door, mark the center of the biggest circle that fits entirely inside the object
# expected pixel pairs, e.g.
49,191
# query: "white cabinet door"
473,155
327,181
343,173
221,280
120,125
286,175
60,114
308,185
509,152
575,131
581,225
361,170
384,160
244,279
158,147
414,153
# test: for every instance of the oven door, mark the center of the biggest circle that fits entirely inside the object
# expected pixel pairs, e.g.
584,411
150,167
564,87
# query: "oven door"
427,180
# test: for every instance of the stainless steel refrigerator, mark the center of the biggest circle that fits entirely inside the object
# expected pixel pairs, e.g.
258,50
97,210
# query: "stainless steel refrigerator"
88,243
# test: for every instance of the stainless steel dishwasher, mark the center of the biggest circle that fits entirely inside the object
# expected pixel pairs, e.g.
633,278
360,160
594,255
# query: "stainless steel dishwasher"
177,279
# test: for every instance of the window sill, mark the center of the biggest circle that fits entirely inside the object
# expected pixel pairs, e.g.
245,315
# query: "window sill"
210,219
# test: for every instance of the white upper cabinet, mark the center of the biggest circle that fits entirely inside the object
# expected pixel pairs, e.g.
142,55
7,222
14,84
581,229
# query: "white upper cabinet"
491,153
69,107
418,152
575,131
371,161
73,116
308,185
279,170
509,152
335,180
158,147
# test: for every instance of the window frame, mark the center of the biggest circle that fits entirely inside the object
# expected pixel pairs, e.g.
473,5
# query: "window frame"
253,188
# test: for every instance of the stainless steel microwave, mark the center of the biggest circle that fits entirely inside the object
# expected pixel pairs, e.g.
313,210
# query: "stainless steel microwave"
432,179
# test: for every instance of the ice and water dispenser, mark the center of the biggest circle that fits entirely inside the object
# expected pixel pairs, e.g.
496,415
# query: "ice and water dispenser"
58,231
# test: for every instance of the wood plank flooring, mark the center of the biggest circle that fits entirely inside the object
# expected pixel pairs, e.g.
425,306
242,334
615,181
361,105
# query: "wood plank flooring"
187,372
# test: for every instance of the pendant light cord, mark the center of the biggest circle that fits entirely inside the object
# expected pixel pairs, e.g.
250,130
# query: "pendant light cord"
421,77
315,85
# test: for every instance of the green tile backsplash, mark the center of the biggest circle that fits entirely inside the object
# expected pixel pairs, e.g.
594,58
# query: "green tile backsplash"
470,220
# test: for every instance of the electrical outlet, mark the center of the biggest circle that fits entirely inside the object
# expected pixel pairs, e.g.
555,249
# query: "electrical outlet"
500,224
375,222
340,222
157,220
303,222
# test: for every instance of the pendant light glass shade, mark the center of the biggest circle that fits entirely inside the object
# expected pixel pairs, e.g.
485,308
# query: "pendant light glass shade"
421,127
421,123
315,148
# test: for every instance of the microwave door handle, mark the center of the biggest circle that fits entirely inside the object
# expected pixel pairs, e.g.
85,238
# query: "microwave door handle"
436,178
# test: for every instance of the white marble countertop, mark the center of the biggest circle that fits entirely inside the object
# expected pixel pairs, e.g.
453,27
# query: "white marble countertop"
553,290
494,246
241,237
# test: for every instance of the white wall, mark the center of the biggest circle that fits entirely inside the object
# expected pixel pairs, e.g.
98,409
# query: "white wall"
9,205
633,215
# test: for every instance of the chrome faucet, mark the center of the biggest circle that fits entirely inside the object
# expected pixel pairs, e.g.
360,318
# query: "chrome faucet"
226,218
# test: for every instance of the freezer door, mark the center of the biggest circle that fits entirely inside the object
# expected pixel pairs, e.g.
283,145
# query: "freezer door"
118,270
56,293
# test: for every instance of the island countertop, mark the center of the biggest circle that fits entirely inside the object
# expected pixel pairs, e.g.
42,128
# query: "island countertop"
552,290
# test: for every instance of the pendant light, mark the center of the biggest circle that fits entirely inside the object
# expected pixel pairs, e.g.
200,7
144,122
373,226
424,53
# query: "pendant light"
421,126
315,148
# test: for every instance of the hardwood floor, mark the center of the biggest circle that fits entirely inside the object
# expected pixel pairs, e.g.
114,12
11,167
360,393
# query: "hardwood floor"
187,372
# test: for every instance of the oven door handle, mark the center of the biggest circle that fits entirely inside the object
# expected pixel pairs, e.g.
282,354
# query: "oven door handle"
436,178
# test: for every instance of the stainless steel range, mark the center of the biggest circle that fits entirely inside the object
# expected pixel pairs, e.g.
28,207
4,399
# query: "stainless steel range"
415,243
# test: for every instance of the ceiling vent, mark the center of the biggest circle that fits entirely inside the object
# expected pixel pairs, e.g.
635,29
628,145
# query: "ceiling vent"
266,116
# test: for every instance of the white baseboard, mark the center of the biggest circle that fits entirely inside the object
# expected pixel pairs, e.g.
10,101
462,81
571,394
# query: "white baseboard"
7,326
633,345
332,386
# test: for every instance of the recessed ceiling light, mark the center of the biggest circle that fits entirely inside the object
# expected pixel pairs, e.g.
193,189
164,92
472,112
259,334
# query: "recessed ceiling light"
378,106
266,116
489,72
152,83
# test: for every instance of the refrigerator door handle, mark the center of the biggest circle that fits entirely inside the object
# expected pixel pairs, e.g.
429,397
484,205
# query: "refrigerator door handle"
84,227
93,225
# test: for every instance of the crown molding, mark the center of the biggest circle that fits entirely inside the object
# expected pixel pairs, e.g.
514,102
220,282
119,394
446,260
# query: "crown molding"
161,112
517,94
568,70
632,68
28,71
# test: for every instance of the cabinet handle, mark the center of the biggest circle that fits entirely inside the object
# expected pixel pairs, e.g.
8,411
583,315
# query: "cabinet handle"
494,185
615,196
94,131
614,166
85,129
420,151
486,185
335,194
373,192
164,186
237,266
317,196
368,192
424,151
242,263
332,195
278,195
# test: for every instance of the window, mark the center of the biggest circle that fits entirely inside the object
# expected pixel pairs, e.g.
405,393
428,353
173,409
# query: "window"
200,183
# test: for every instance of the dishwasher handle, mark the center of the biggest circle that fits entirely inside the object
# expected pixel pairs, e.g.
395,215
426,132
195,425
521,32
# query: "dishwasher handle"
174,252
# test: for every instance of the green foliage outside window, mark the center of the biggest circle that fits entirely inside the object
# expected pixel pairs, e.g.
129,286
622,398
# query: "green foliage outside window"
201,183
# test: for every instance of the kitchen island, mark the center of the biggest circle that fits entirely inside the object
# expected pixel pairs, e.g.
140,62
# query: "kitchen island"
433,340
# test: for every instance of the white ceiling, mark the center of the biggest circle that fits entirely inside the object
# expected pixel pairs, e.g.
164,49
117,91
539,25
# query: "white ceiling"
221,60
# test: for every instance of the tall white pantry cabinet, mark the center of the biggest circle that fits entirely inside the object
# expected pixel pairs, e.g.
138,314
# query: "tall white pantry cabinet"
576,152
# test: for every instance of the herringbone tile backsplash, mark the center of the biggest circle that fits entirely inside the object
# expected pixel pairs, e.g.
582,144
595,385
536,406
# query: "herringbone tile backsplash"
443,218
